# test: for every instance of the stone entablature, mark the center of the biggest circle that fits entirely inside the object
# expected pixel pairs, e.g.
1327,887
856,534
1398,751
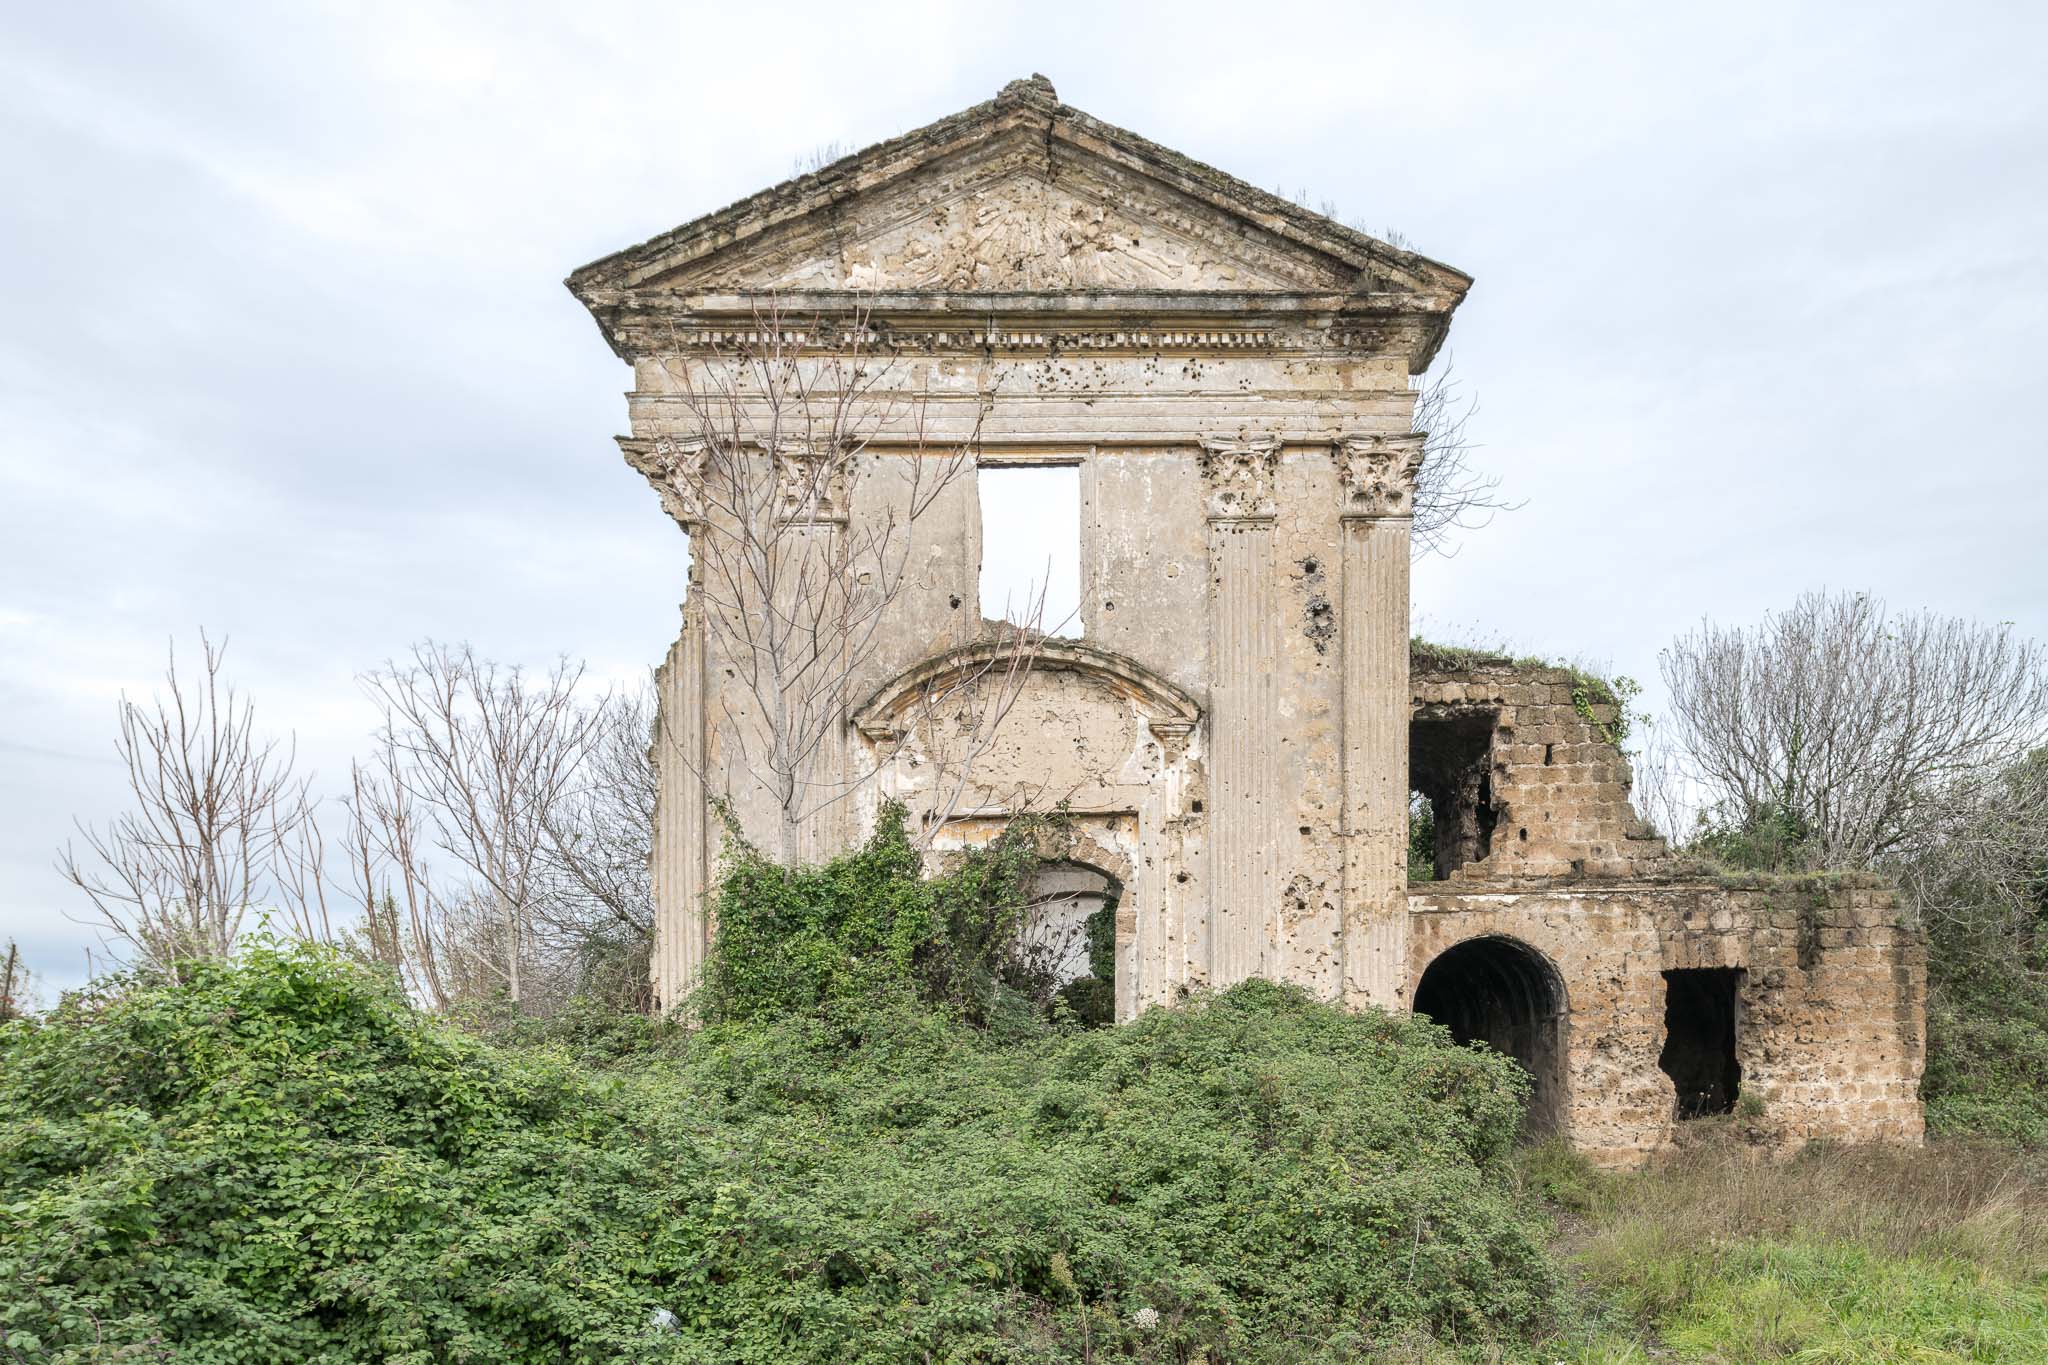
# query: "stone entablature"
1230,374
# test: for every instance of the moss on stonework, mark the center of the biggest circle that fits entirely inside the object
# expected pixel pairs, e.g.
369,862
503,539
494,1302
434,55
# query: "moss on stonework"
1427,656
1817,883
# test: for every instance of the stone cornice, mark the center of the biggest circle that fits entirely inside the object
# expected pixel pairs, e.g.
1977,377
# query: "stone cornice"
1376,475
652,323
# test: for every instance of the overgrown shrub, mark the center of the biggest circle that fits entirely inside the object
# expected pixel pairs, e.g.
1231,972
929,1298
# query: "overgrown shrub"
1987,1055
866,924
1091,999
860,1157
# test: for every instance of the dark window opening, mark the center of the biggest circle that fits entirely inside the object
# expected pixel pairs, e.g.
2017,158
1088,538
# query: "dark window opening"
1450,761
1503,993
1699,1039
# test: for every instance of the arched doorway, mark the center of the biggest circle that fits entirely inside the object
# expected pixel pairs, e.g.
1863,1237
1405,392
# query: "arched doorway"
1069,936
1501,992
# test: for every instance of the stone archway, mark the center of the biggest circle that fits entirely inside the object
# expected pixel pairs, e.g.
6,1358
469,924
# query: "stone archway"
1125,756
1502,992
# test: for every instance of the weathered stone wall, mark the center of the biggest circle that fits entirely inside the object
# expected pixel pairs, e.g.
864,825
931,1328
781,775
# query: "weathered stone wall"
1558,783
1828,1032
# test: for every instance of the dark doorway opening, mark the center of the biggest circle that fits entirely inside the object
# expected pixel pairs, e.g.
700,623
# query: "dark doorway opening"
1503,993
1700,1006
1450,767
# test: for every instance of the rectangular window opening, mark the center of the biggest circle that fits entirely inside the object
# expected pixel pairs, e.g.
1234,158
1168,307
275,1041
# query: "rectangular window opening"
1700,1008
1031,546
1451,814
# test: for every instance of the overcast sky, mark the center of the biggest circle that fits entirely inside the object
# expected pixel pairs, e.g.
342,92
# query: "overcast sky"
1762,305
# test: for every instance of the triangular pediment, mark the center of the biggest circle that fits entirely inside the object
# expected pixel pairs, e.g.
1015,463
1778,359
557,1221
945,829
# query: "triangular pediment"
1020,194
1019,230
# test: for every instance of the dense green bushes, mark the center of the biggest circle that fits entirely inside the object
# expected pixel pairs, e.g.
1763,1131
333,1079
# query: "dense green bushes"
875,1149
1987,1056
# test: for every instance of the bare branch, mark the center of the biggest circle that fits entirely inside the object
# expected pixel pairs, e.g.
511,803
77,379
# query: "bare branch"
481,756
1450,495
215,816
791,588
1853,722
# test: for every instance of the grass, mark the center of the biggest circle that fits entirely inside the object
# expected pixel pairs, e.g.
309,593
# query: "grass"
1836,1255
1723,1256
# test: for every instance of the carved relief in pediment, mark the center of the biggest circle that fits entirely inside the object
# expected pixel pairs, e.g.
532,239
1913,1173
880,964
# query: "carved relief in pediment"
1022,233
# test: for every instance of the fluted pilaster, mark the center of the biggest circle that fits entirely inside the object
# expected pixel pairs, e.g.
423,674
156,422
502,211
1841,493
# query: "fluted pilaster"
1244,710
682,932
1377,481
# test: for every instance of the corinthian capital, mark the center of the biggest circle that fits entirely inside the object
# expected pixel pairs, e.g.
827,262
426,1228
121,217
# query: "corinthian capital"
1378,474
810,484
1238,475
675,468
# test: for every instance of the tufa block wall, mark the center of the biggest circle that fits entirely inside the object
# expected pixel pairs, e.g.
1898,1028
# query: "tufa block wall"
1814,986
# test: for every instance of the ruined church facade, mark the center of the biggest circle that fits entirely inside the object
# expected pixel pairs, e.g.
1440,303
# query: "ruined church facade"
1238,725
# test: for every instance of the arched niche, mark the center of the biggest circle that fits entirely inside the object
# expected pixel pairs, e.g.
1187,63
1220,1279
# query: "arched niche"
886,716
1098,736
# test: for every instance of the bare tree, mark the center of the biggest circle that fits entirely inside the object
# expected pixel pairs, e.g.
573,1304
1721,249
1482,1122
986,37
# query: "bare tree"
403,922
481,756
301,876
793,590
600,835
16,985
216,810
1664,792
1852,723
1450,495
1979,877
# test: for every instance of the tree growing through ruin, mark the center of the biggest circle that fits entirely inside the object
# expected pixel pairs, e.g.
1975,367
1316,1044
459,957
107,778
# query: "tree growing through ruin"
216,814
1840,729
792,589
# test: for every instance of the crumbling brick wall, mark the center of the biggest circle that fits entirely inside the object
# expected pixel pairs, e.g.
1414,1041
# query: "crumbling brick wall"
1834,1009
1828,991
1795,1006
1548,795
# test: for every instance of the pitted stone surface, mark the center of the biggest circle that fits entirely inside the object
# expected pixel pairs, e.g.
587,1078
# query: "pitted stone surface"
1232,734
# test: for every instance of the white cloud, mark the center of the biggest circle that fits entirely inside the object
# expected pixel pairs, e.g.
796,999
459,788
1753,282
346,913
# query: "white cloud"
1760,306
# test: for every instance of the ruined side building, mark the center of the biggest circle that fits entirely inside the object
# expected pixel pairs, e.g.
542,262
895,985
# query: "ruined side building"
1236,721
